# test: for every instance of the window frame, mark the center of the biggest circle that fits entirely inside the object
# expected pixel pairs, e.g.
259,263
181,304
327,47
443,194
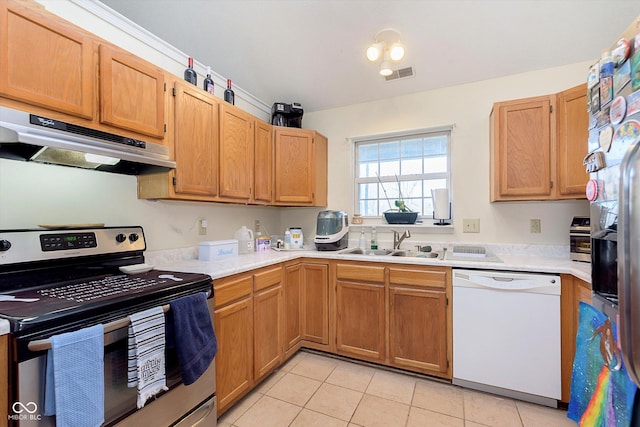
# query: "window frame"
396,136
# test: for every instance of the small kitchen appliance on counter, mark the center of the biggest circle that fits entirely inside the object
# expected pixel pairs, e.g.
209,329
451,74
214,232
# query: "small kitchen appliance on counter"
289,115
332,231
580,239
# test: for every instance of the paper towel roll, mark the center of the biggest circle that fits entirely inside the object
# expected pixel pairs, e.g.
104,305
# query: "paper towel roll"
441,205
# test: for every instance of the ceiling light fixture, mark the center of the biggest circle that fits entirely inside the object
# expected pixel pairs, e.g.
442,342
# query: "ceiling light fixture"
388,48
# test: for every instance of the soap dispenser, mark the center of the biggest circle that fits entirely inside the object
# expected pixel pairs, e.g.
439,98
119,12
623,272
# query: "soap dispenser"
363,241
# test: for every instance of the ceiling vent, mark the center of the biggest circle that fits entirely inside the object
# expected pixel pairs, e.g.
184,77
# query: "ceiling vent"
400,74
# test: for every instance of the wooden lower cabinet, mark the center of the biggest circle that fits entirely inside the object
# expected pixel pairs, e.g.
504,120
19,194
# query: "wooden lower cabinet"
315,302
418,329
267,321
360,311
573,291
361,320
292,307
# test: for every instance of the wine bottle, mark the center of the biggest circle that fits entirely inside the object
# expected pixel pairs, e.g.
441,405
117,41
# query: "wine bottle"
229,96
190,74
208,82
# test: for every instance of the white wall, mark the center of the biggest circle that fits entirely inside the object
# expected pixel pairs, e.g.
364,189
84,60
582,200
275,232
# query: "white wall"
33,194
467,107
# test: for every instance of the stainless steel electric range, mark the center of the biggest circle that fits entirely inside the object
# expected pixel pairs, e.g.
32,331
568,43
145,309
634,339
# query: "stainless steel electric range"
58,280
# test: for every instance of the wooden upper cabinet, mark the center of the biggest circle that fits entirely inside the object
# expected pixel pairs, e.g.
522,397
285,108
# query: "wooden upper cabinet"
573,125
132,93
521,142
300,167
46,62
236,153
538,145
263,162
195,141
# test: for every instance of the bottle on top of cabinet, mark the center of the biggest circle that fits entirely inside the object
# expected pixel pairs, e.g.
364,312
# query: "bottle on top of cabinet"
208,82
229,95
190,74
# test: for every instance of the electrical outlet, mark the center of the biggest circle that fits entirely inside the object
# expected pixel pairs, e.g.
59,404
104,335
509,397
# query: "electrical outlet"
202,226
535,226
256,224
471,225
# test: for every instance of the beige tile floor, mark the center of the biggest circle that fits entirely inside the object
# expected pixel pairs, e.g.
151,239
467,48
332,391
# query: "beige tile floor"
314,390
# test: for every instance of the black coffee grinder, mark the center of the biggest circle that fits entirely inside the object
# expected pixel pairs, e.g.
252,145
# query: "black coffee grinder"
289,115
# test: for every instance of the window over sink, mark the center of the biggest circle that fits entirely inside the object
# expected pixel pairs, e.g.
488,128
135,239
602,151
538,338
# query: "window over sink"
402,166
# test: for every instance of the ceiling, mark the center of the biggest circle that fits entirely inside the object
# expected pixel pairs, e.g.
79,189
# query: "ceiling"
312,51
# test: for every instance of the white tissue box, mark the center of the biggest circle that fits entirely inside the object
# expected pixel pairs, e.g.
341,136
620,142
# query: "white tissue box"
217,249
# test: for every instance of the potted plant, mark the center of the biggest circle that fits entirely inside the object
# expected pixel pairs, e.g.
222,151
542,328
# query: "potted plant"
401,214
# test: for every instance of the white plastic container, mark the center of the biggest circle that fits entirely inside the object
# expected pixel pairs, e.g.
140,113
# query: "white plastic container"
217,249
296,238
245,239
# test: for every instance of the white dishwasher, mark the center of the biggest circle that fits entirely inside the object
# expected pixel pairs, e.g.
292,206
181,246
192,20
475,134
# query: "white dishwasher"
506,334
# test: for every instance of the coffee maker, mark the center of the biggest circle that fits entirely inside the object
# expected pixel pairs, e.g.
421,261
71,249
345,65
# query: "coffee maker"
289,115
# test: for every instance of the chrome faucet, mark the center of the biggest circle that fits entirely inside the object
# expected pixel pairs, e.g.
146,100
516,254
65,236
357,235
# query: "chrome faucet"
398,239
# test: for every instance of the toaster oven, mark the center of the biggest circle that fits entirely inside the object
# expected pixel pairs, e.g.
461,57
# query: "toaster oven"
580,239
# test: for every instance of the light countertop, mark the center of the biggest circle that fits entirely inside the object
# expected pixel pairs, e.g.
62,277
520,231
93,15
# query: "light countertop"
185,260
5,328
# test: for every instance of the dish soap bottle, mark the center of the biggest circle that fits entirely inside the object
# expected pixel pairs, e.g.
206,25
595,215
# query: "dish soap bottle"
374,239
363,241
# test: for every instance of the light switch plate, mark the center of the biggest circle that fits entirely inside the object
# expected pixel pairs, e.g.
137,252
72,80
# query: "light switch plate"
471,225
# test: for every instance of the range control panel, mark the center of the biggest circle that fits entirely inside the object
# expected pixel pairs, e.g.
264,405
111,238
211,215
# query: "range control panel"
60,242
17,246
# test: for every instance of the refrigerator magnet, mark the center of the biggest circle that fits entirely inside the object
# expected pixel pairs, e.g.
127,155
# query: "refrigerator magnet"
592,190
605,137
635,71
620,53
593,77
595,100
617,110
628,133
606,90
602,118
633,103
621,77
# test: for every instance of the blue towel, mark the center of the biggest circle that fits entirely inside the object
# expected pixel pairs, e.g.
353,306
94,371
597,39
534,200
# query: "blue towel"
195,340
74,388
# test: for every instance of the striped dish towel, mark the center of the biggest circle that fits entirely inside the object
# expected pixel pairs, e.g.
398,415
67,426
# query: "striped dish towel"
146,364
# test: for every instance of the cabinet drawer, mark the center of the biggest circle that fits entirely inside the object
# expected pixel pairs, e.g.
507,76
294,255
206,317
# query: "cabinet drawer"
268,278
431,278
227,292
360,273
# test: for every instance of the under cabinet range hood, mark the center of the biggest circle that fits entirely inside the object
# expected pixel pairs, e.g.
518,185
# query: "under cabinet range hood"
35,138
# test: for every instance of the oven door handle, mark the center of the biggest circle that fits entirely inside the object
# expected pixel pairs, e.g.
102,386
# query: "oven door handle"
45,344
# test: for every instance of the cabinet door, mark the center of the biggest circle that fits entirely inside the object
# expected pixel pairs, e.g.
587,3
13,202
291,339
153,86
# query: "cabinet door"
361,320
236,153
418,329
45,61
294,166
132,93
573,125
521,150
267,347
292,305
263,162
234,360
315,303
195,141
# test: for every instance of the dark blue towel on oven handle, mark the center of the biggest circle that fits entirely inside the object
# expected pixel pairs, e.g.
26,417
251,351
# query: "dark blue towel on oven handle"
194,338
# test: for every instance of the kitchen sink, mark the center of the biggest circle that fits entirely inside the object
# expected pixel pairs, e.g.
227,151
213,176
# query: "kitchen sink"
391,252
358,251
413,254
